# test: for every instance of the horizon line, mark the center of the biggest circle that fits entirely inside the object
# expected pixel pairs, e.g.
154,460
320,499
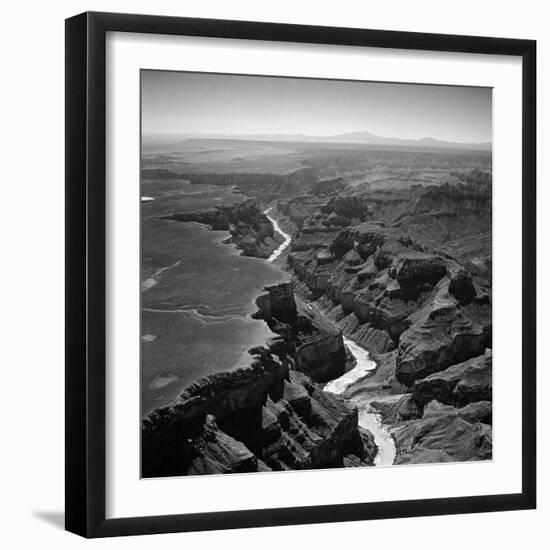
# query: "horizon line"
214,135
243,137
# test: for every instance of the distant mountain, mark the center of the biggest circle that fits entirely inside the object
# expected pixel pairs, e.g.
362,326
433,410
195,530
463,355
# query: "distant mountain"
363,137
368,137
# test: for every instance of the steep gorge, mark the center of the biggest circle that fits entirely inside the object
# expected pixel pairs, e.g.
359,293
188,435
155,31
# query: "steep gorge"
422,314
269,416
378,269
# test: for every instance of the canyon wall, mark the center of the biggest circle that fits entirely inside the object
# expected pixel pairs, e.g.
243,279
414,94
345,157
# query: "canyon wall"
268,416
249,228
425,316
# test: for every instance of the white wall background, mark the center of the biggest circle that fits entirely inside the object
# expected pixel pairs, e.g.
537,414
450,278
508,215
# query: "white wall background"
31,272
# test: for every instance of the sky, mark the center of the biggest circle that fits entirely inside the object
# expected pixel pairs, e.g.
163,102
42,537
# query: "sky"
202,103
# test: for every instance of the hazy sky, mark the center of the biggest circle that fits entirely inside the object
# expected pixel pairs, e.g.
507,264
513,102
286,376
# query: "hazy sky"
200,103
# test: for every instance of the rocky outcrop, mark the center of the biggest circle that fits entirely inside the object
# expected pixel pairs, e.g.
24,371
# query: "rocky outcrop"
365,238
367,336
256,419
441,338
216,452
445,434
383,281
224,392
461,285
300,208
413,269
374,305
314,346
278,303
312,238
478,411
318,429
249,228
226,395
321,355
457,385
455,219
396,408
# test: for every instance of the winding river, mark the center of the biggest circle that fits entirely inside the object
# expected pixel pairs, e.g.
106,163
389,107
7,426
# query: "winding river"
368,419
287,238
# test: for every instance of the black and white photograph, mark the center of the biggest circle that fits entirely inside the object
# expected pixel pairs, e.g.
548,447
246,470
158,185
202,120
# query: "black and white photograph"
316,274
259,259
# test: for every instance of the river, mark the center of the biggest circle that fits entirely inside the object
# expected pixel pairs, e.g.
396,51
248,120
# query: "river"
287,238
368,419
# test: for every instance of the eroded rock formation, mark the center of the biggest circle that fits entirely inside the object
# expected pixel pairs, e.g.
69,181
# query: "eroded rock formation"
427,304
445,434
256,419
268,416
249,227
317,346
459,384
405,271
424,316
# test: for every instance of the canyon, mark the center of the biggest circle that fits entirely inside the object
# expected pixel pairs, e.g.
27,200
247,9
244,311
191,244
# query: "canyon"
381,347
272,415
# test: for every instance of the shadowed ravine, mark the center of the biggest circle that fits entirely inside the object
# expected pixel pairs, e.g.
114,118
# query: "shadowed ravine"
367,418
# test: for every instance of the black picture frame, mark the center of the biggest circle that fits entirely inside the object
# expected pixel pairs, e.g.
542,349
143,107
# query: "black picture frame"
86,263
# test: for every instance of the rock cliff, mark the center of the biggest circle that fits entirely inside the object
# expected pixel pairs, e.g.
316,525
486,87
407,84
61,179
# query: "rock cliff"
459,384
265,417
249,227
425,317
445,434
446,417
427,304
316,346
268,416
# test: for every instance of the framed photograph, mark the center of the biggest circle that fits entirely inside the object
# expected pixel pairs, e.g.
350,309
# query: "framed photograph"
294,256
